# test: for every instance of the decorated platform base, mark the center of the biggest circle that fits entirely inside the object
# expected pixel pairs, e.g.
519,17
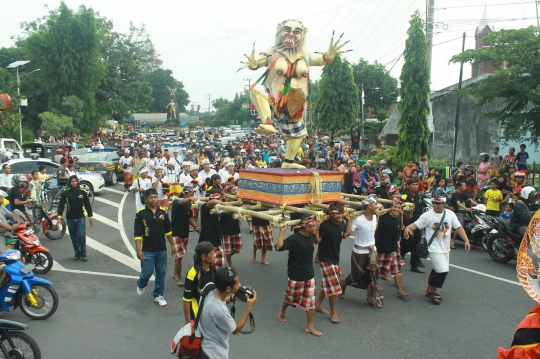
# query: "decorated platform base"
288,186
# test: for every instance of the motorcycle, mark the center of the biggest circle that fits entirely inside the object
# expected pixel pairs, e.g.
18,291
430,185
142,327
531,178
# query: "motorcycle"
31,249
53,227
503,246
473,219
19,287
14,343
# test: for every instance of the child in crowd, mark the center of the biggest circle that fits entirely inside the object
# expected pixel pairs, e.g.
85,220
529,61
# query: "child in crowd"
450,186
508,211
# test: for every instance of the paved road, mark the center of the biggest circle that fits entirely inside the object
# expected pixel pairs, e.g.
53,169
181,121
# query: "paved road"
100,315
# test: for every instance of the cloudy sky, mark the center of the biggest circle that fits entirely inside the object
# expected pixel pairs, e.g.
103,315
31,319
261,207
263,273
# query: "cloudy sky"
203,41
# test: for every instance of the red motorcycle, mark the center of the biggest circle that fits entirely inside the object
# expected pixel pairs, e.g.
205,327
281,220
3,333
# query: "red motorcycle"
31,249
53,227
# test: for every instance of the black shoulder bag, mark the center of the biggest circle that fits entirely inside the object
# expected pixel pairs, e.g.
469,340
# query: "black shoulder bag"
423,245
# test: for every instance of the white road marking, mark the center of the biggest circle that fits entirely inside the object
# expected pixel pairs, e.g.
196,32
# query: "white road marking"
114,190
127,242
59,268
110,203
113,253
107,221
486,275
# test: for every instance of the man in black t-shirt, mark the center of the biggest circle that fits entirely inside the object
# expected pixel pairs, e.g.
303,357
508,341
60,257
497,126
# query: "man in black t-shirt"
459,202
230,228
181,219
387,236
263,239
331,232
211,227
300,291
410,245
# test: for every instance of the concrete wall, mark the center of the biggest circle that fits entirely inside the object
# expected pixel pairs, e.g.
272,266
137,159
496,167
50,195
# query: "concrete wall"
476,134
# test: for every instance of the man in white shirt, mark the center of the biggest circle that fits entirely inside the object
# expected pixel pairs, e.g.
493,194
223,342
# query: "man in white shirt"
364,269
126,161
5,182
184,154
207,172
160,160
151,165
185,171
438,245
176,160
140,185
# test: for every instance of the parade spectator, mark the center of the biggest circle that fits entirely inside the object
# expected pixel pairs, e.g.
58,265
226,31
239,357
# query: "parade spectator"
126,161
509,160
493,198
483,170
78,207
521,159
495,160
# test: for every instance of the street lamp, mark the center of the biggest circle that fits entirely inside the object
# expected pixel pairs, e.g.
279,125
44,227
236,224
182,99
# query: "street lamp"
15,65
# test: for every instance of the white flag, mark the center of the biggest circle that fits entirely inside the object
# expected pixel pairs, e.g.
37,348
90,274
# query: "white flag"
363,102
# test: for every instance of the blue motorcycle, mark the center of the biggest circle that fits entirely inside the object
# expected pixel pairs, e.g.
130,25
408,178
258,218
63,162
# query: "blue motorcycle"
19,287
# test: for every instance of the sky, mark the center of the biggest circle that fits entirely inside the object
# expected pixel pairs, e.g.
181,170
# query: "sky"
203,41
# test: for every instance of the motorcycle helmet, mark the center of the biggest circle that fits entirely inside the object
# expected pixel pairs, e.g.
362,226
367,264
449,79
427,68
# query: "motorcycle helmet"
382,162
386,172
59,150
18,181
520,174
483,154
527,191
370,162
3,194
368,165
468,168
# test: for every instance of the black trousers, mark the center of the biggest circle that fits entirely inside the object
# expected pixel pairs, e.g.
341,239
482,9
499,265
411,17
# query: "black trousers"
437,279
411,246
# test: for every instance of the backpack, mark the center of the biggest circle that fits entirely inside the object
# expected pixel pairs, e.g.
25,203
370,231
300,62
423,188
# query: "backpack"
187,342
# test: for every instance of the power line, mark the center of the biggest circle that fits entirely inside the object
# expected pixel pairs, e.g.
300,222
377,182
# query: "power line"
457,38
328,23
459,7
390,28
371,17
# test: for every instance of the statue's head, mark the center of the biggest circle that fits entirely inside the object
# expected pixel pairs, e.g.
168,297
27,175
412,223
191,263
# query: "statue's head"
291,33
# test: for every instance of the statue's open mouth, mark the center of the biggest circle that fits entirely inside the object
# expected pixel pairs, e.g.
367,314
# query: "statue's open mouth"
290,41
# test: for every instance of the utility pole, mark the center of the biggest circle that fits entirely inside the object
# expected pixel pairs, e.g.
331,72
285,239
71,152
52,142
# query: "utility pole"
249,83
456,124
430,4
208,96
536,7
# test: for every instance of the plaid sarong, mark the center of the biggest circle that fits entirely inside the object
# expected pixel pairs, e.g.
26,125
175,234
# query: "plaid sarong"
220,257
330,281
263,237
301,294
232,243
181,246
389,264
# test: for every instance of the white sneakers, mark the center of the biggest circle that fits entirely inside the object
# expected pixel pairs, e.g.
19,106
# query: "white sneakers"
160,300
140,291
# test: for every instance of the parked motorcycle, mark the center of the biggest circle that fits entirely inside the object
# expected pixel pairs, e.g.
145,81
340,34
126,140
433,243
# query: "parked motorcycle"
53,227
503,246
14,343
19,287
31,249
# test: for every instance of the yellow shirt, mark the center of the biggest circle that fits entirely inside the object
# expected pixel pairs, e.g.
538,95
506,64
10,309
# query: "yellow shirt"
490,197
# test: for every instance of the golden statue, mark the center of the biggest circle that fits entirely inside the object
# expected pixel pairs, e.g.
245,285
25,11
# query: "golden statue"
282,96
172,110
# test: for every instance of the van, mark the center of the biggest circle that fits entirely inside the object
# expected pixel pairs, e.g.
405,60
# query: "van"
11,145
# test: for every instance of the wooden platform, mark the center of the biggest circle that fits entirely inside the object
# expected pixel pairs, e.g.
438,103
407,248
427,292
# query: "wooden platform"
288,186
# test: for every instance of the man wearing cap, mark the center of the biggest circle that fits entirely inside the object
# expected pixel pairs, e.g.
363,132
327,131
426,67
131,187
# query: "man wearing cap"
151,226
181,219
300,291
5,226
176,160
438,223
202,273
126,161
364,271
140,185
382,189
522,215
172,177
207,172
211,227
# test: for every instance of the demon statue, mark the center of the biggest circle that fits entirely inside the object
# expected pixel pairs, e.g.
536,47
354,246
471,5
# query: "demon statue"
281,94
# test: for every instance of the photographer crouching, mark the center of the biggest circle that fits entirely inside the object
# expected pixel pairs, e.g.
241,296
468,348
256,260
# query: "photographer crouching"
216,321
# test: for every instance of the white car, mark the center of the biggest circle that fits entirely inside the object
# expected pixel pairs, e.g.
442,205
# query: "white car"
25,166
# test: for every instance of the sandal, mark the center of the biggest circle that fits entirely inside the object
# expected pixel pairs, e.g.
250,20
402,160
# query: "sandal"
435,297
374,304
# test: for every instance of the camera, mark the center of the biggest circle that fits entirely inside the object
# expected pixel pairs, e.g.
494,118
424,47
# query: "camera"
244,292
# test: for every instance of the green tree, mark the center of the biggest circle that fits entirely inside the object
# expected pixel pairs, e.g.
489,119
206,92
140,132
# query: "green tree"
54,124
72,106
413,128
66,47
337,100
159,80
380,89
516,84
381,114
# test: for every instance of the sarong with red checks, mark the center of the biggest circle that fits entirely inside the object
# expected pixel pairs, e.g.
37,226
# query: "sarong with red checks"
301,294
263,238
220,257
389,264
180,244
330,280
127,177
232,243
